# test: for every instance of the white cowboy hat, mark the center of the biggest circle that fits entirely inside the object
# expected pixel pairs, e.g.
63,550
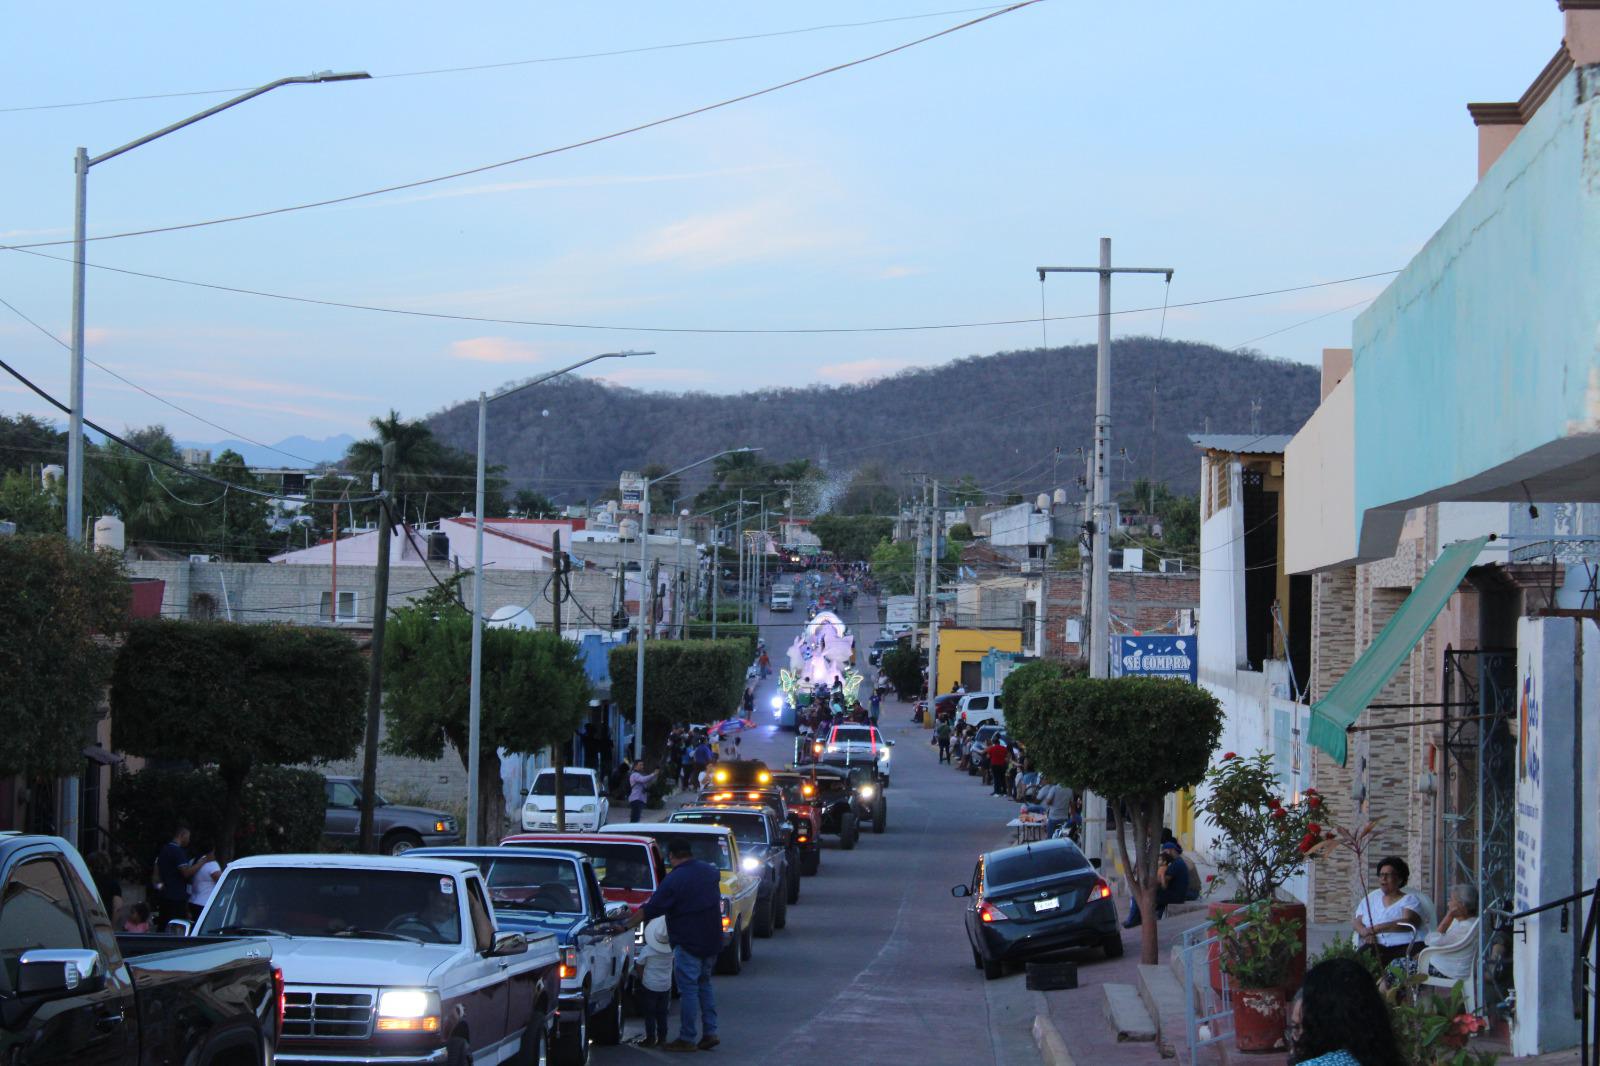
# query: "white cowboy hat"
655,934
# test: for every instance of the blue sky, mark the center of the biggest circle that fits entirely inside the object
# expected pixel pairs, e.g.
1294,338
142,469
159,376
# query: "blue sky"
1250,146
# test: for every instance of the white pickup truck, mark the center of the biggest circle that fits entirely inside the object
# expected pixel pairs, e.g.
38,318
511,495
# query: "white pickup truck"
391,960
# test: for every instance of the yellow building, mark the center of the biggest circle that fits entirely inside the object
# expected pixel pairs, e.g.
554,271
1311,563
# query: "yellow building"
961,653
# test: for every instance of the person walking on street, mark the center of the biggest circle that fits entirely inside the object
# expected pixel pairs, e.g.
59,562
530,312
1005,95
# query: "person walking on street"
766,665
702,759
655,983
639,784
690,898
173,870
876,704
943,734
998,756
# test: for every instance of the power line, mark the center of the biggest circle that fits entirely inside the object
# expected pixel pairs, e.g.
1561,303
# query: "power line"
1305,322
527,62
544,153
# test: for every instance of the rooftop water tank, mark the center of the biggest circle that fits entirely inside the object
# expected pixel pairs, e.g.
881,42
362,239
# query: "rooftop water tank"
109,534
628,529
1060,496
1043,502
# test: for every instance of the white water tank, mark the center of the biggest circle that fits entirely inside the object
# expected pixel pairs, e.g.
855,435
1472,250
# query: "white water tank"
1060,497
52,473
1043,502
109,533
628,529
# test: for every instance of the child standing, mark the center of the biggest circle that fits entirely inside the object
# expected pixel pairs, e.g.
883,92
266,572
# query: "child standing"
655,993
138,920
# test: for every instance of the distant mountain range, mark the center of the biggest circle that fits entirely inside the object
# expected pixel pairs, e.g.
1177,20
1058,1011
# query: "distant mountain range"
296,451
1000,418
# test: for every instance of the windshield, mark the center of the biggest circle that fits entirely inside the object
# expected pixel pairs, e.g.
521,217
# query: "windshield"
707,847
576,784
853,735
369,904
747,828
1035,862
532,883
617,865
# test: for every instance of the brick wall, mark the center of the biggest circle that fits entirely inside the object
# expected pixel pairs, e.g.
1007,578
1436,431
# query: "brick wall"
1148,602
1333,652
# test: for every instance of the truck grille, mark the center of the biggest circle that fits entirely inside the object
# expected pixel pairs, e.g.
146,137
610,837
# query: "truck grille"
327,1013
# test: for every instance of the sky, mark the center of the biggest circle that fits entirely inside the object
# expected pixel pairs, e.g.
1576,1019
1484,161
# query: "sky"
1248,146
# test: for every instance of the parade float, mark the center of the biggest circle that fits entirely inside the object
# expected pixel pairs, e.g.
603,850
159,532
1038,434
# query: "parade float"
823,652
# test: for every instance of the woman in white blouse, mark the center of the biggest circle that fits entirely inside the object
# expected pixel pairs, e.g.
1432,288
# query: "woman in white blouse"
1388,917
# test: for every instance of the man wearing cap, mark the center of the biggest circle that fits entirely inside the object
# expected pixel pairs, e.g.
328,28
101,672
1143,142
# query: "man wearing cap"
1172,885
690,898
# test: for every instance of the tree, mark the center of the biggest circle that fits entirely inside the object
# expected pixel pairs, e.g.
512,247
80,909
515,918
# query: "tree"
432,480
966,492
684,681
1130,740
961,531
893,564
156,504
33,507
851,537
237,522
535,693
28,442
237,697
530,504
871,492
59,600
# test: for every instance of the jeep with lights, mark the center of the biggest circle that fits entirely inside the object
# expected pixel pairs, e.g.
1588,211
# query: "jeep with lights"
391,960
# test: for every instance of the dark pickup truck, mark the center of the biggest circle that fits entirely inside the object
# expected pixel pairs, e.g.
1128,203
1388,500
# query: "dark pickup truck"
72,991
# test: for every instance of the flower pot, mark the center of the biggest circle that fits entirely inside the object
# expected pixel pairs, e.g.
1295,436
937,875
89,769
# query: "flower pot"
1258,1016
1281,912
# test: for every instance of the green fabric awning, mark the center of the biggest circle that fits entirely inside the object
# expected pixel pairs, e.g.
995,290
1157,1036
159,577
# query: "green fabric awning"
1346,700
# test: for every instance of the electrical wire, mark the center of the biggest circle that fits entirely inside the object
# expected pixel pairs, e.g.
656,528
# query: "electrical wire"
713,330
547,152
1305,322
527,62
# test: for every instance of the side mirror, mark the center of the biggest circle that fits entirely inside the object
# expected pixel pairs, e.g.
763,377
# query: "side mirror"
890,743
961,891
508,944
1095,863
617,912
50,972
180,927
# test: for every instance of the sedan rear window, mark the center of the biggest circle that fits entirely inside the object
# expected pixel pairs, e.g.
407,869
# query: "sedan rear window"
576,784
1034,863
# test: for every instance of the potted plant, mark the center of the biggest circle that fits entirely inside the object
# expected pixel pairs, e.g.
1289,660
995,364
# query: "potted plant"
1267,838
1433,1030
1256,952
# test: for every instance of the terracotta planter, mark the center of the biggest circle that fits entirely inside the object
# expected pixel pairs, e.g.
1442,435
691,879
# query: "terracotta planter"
1281,912
1258,1017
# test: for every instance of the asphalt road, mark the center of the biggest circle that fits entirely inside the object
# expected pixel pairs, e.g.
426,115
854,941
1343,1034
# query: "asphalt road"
874,966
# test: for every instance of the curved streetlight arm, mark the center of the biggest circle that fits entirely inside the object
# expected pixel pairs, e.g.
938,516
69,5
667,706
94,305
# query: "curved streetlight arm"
302,79
513,389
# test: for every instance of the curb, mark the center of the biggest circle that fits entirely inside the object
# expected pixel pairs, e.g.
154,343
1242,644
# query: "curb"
1052,1049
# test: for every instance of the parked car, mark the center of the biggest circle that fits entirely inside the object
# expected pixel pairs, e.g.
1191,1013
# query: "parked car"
396,828
543,890
630,868
979,743
879,646
390,959
717,845
782,598
858,745
586,804
1036,899
73,991
764,850
976,708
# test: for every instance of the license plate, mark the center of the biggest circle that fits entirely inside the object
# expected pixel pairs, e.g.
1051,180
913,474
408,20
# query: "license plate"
1050,904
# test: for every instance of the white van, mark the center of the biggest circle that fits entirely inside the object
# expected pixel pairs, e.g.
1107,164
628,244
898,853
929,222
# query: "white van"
976,708
782,598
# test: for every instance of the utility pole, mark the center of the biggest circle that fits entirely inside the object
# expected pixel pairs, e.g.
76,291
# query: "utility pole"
380,614
1100,619
738,532
558,750
933,599
716,576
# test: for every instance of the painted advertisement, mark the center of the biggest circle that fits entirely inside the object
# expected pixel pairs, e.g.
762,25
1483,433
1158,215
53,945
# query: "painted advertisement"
632,488
1156,656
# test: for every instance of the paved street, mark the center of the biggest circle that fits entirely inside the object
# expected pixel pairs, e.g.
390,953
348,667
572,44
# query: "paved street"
874,966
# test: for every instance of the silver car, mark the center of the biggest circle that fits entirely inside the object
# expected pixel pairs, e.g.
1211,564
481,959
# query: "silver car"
397,828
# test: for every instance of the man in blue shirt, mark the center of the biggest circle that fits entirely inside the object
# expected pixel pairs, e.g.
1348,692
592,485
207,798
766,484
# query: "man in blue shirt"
173,870
691,899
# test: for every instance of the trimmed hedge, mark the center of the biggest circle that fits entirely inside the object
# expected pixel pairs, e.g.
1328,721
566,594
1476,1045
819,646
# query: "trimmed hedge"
685,681
283,810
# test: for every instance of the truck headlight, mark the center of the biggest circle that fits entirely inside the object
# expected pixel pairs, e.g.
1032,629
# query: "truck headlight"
865,792
414,1010
750,864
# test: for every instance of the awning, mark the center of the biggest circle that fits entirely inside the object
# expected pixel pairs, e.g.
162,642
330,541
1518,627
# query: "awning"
1343,704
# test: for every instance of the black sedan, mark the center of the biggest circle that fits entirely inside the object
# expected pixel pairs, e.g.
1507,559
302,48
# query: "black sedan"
1036,899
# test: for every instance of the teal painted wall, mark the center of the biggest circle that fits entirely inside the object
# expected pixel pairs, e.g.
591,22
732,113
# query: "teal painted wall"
1485,346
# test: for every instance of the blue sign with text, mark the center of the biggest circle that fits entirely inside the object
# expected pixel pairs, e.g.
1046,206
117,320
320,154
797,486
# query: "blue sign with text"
1159,656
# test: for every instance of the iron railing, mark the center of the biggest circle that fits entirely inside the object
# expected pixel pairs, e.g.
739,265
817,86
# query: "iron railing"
1208,1011
1586,967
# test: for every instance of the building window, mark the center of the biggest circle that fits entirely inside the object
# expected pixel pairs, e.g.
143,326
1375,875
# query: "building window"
347,607
1030,618
202,607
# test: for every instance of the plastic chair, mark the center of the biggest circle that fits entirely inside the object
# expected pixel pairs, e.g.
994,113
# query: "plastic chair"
1455,961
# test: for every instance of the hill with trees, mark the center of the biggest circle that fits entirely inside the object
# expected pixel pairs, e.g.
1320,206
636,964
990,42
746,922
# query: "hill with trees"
998,418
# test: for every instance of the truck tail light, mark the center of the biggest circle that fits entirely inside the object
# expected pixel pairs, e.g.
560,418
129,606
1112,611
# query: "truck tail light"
727,916
278,999
1101,890
988,912
569,963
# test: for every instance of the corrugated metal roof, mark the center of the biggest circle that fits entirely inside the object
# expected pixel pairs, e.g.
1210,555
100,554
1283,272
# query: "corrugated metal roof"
1243,443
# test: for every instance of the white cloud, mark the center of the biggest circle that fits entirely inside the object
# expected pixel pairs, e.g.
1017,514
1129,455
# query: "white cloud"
861,370
495,350
767,230
893,272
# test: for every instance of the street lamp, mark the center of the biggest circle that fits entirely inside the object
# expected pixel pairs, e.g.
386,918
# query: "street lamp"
644,577
81,164
475,698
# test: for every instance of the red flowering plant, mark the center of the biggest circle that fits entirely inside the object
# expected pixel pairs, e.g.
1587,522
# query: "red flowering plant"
1267,837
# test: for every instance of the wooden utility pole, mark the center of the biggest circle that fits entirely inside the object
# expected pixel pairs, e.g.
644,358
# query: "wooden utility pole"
380,613
558,750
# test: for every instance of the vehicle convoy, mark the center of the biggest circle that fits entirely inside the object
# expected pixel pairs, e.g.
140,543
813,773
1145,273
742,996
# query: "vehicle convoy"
850,791
1036,899
392,960
72,991
717,845
858,745
763,847
630,868
585,803
773,799
542,890
805,817
396,827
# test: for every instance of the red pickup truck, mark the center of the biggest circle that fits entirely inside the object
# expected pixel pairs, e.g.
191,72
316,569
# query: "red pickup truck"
629,867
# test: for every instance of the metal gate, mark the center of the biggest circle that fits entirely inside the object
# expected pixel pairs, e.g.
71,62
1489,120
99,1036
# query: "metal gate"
1477,789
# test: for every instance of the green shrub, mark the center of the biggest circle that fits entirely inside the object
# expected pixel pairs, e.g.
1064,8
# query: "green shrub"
282,811
741,631
903,666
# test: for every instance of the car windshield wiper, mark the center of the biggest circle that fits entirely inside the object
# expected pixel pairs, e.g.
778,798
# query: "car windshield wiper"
252,930
379,934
